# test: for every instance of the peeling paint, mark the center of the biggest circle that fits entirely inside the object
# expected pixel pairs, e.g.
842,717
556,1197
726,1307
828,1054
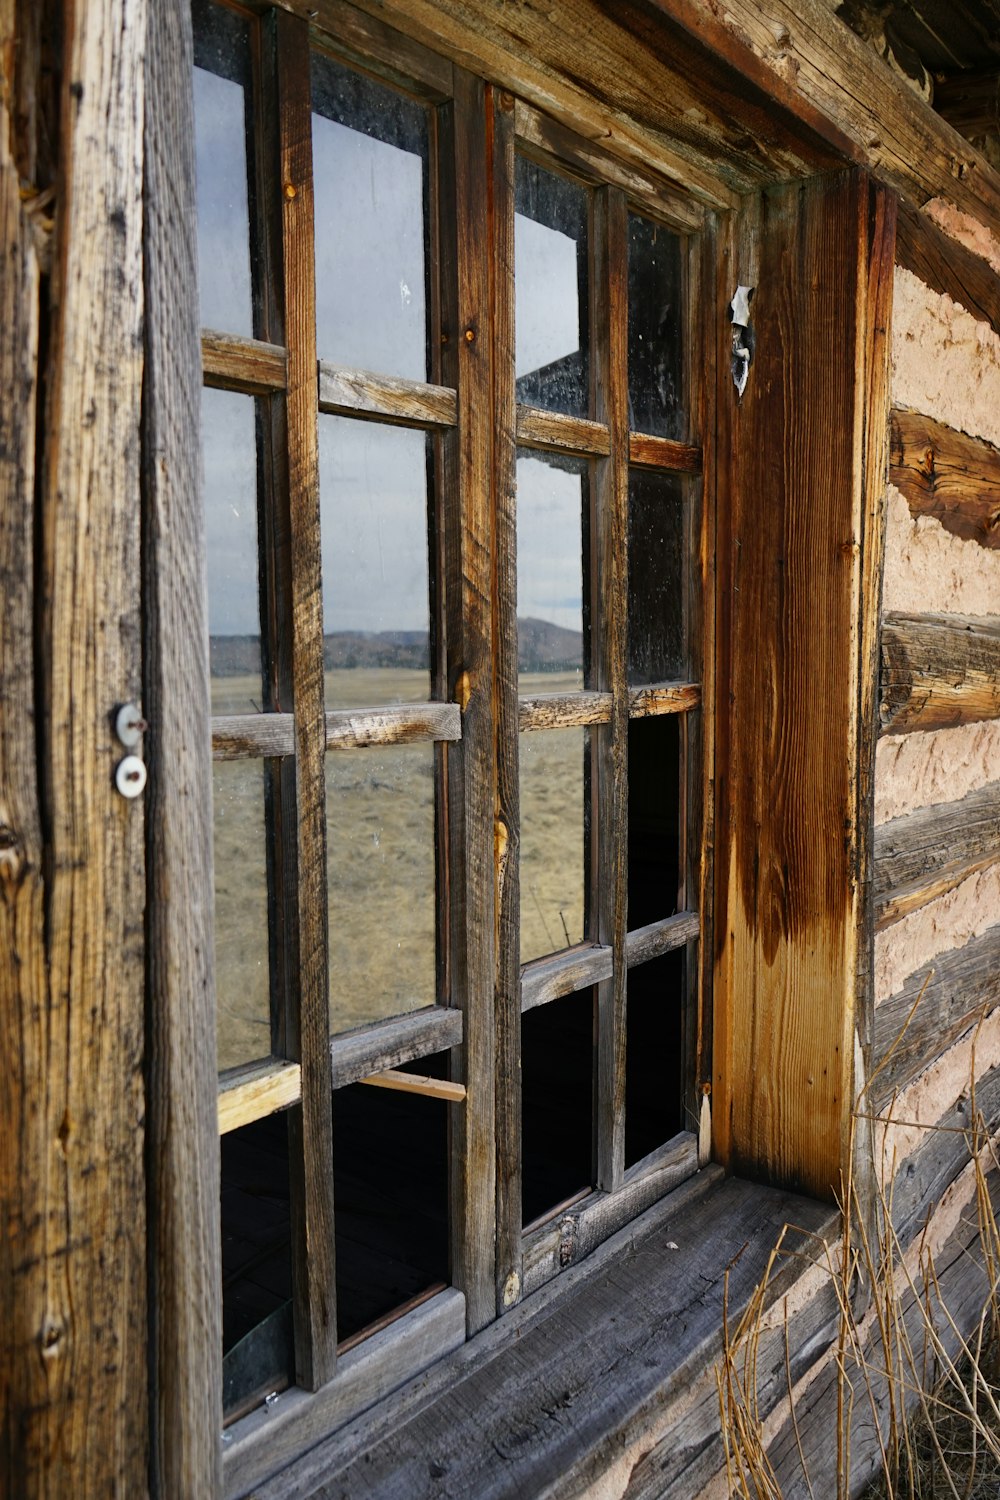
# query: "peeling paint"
744,340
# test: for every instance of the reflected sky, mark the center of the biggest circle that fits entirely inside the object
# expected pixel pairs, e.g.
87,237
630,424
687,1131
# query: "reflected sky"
229,446
549,543
223,213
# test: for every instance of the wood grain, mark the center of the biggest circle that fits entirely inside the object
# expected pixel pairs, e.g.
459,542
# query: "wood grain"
802,607
307,1020
417,1083
662,453
256,1092
400,724
386,1044
73,1302
663,698
644,943
898,903
537,428
916,850
948,475
563,710
183,1151
938,671
240,364
961,986
946,266
565,973
405,403
250,736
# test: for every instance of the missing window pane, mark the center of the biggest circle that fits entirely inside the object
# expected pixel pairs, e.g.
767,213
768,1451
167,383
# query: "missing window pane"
554,839
374,492
230,458
242,980
653,1054
655,341
551,310
657,647
221,90
557,1051
381,867
654,819
370,159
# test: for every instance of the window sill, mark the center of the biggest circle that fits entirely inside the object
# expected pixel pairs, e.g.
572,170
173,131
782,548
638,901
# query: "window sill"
590,1372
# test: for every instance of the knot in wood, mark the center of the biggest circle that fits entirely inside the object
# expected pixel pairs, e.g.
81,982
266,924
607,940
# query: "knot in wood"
12,862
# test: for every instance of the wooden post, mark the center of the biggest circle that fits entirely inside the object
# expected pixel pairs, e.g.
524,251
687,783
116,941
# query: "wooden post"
73,1330
185,1358
802,561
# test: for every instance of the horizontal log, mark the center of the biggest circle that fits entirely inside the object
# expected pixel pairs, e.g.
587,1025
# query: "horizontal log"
563,710
943,264
405,403
663,698
663,453
564,973
938,671
537,428
897,904
961,985
948,475
246,736
417,1083
256,1092
387,1044
649,942
925,845
398,724
239,364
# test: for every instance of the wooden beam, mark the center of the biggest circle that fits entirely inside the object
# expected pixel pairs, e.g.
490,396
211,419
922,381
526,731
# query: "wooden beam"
562,710
951,838
663,453
256,1092
565,973
644,943
898,903
397,724
948,475
910,1032
240,364
537,428
938,671
386,1044
970,102
799,606
405,403
943,264
185,1353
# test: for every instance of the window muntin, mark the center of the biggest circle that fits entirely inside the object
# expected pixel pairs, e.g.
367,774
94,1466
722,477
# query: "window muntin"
569,427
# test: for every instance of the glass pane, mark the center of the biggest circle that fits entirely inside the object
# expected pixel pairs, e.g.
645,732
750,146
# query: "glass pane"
256,1265
653,1054
557,1062
656,567
552,542
655,340
370,162
654,818
230,454
376,602
380,847
221,90
241,962
551,310
553,839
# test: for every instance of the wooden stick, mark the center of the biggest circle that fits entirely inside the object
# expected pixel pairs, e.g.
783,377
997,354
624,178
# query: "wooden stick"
406,403
417,1083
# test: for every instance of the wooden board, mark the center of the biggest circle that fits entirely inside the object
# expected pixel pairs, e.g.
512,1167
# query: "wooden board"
183,1153
389,1043
406,403
914,852
938,671
948,475
948,267
963,985
800,598
565,973
240,364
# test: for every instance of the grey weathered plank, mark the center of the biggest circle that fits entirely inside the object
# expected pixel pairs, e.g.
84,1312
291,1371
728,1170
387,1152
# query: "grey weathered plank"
268,1439
960,986
243,736
919,848
564,973
643,943
389,1043
242,364
537,428
563,710
183,1153
575,1234
939,671
397,724
900,902
405,403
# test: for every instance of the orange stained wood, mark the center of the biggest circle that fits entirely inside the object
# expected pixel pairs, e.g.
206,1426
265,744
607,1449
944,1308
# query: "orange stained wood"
799,563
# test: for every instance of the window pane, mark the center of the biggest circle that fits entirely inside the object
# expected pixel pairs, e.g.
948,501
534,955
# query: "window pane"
656,568
550,291
552,544
221,89
376,603
229,445
370,162
655,346
381,866
553,776
241,955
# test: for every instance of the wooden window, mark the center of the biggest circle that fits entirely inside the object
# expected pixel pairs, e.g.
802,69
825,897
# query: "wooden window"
455,516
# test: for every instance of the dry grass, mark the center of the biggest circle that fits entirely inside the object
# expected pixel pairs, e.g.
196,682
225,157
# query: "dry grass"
925,1389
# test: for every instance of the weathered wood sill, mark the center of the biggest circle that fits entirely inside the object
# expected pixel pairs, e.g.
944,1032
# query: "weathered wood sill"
590,1373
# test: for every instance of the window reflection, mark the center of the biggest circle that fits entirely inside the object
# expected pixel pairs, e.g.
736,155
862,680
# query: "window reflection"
550,291
221,89
241,913
552,537
656,570
655,349
230,457
553,779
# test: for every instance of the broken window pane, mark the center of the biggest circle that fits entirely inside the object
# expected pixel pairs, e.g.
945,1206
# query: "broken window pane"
655,338
221,89
370,161
551,310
